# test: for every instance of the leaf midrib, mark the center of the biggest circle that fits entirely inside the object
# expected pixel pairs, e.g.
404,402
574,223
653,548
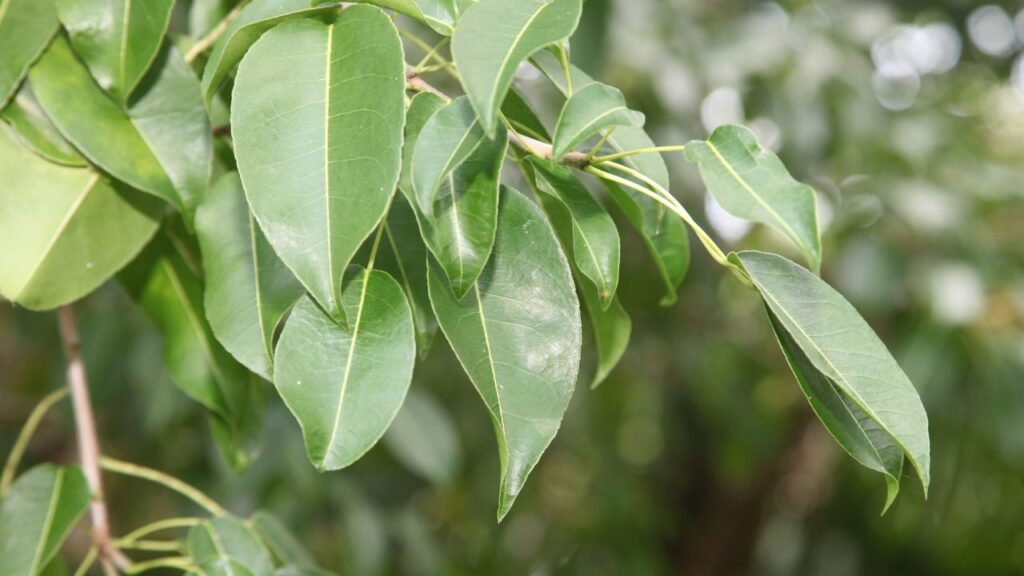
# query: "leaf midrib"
335,295
492,100
48,522
494,373
348,365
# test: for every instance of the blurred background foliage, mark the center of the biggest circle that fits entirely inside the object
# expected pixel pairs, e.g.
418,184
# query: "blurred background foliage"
698,456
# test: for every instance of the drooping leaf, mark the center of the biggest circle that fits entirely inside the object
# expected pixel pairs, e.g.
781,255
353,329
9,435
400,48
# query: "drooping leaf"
750,182
857,433
26,27
595,240
590,111
255,19
37,514
459,225
345,385
220,544
248,288
317,119
840,345
517,335
170,292
66,230
160,145
665,235
424,439
34,129
494,36
280,541
440,15
404,255
117,39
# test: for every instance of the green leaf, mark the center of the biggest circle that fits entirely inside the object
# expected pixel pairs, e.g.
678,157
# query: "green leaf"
423,438
220,544
117,39
161,145
170,292
345,386
205,15
404,256
67,230
37,514
854,430
248,289
461,219
517,335
494,36
840,345
595,240
317,122
280,541
440,15
590,111
253,21
665,235
35,130
26,27
750,182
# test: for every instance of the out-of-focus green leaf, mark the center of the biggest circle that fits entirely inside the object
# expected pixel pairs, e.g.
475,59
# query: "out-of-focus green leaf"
517,335
494,36
37,514
26,27
280,541
317,120
595,240
248,288
35,130
590,111
665,235
345,385
66,230
840,345
423,438
750,182
117,39
170,292
255,19
204,15
854,430
161,145
220,544
440,15
459,225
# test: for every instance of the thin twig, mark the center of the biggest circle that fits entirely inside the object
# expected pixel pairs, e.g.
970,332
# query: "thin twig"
211,38
158,477
88,443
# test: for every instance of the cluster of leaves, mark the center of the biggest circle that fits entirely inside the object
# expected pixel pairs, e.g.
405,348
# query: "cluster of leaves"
287,212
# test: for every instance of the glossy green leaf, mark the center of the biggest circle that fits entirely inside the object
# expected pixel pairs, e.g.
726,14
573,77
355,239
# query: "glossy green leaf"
248,289
440,15
37,514
161,145
517,335
34,129
117,39
590,111
67,230
840,345
750,182
280,541
26,27
317,120
665,235
494,36
221,544
595,240
404,255
423,438
854,430
459,225
170,292
345,385
254,20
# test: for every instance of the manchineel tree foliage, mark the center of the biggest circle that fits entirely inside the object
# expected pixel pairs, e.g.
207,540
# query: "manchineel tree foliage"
290,200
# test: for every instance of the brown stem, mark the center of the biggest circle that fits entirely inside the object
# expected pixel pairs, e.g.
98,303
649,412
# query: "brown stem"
88,444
